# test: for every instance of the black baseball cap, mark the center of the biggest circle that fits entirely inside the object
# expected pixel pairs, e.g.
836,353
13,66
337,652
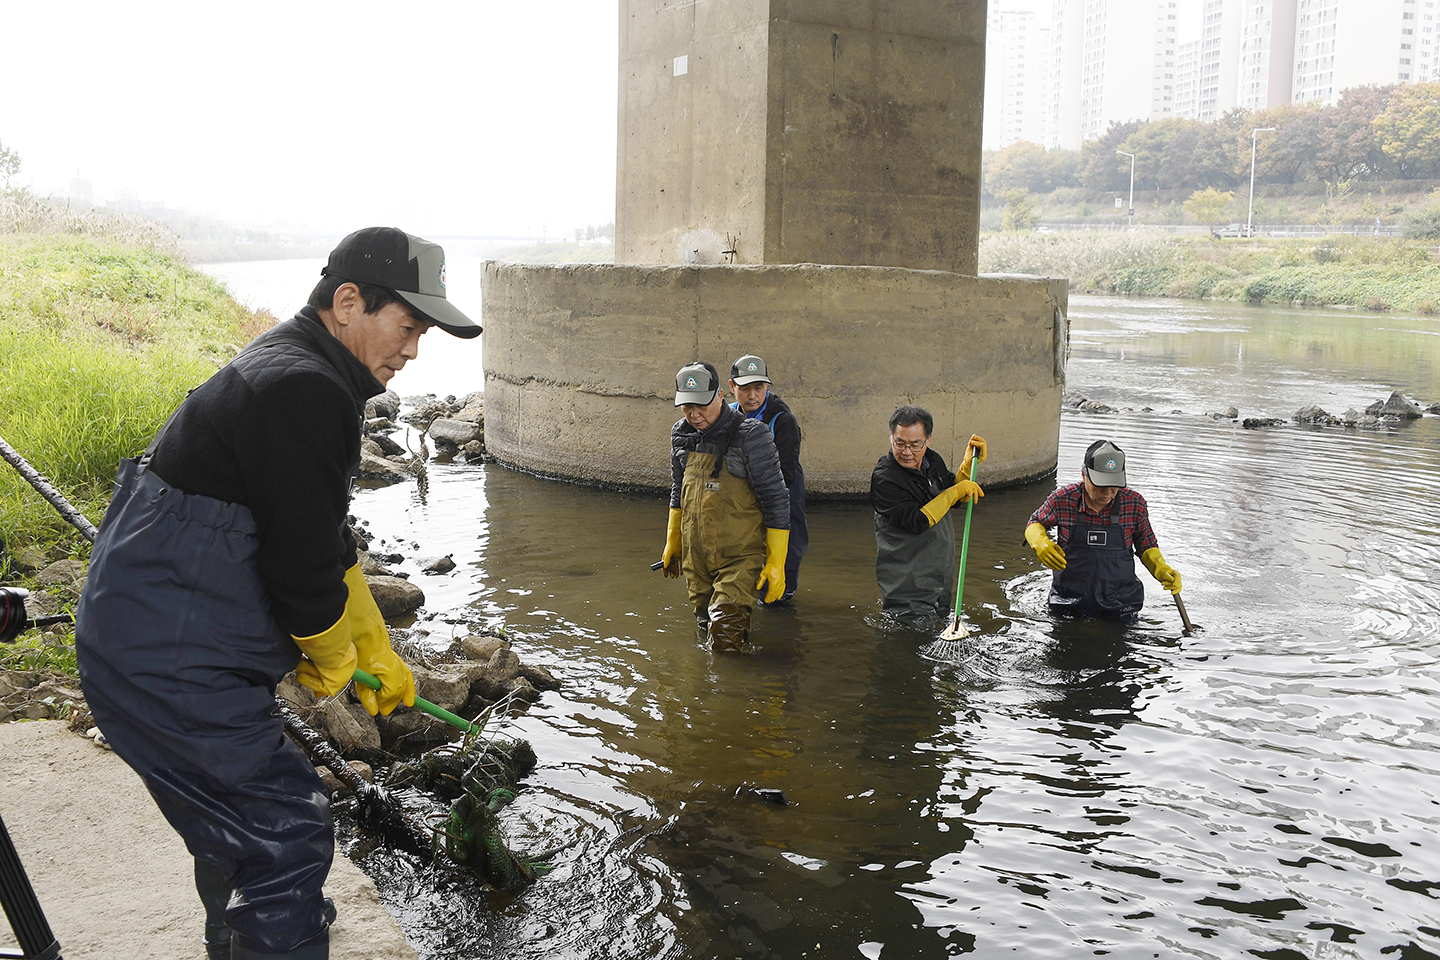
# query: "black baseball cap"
413,268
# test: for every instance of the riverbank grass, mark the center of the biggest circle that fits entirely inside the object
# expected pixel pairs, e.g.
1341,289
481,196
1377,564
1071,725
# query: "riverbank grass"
99,342
1376,273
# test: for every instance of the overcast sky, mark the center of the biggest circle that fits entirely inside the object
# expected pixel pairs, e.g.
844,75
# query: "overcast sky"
445,118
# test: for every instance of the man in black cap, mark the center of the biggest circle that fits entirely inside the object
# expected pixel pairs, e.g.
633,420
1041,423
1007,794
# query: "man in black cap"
1101,525
225,561
750,383
729,511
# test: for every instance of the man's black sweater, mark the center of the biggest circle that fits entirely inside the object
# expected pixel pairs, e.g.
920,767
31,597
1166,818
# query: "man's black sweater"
277,430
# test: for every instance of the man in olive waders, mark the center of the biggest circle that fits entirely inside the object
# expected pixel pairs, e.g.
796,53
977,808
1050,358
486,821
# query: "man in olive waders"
729,511
225,561
750,383
911,492
1101,525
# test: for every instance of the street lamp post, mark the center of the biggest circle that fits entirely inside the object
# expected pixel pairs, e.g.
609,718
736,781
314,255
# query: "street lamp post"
1251,211
1132,184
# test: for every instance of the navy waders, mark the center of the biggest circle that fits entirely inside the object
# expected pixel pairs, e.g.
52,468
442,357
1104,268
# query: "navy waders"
179,656
1099,576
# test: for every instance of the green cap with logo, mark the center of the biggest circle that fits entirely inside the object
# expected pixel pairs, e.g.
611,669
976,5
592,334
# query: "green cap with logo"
749,369
696,383
1105,465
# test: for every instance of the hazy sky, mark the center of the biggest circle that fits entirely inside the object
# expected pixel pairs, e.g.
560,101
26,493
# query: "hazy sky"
446,118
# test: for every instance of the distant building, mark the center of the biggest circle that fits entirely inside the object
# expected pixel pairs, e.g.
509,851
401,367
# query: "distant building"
1187,81
1112,61
1267,54
1341,44
1017,47
81,192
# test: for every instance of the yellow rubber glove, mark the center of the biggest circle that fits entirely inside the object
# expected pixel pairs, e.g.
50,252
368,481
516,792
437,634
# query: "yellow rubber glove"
1046,549
1168,576
329,660
373,653
670,559
777,544
963,490
975,448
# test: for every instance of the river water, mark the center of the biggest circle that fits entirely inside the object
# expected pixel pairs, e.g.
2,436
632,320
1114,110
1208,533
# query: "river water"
1267,786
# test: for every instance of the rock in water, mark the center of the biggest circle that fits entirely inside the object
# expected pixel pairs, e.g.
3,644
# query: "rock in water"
1314,414
1400,406
378,468
394,596
458,432
1255,423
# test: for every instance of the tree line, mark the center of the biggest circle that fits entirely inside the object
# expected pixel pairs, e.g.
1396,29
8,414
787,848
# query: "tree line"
1370,133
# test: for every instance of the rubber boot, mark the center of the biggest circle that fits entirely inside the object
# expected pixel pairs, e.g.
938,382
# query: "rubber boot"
702,623
214,892
729,627
316,948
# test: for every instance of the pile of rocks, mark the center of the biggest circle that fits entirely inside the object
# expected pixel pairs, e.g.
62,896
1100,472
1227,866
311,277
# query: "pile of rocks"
456,427
1396,409
474,674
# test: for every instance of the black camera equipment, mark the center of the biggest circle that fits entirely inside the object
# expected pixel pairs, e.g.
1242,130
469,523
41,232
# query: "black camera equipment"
22,908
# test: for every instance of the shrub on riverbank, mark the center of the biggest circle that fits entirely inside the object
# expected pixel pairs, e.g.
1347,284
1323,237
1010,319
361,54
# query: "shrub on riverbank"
1372,272
99,342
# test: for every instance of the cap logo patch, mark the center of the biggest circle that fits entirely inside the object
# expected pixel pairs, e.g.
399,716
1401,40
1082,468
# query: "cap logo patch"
751,368
691,383
442,274
1111,465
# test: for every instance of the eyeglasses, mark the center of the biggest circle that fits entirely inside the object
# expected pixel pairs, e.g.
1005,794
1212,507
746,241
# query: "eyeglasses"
914,446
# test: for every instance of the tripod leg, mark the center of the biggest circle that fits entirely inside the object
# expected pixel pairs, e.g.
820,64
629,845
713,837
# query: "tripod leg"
32,930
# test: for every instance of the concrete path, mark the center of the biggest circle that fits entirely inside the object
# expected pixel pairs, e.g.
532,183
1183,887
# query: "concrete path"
112,878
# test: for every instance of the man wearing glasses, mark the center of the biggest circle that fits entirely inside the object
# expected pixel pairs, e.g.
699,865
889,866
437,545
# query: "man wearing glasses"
912,492
1102,525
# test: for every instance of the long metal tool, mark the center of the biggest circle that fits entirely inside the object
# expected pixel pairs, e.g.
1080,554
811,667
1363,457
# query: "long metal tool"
955,630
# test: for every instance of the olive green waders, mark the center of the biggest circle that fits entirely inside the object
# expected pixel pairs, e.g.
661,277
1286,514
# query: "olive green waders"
722,548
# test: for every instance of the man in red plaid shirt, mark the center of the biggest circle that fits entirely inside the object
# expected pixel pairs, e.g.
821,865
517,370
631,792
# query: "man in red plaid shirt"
1101,525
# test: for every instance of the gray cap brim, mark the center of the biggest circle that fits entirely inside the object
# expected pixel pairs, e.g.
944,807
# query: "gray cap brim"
442,313
1115,478
701,398
745,381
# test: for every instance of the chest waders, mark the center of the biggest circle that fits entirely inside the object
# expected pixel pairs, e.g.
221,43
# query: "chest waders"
179,656
722,548
913,569
1099,576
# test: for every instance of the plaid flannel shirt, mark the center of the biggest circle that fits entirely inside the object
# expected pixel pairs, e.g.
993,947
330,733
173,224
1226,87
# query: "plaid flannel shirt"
1063,507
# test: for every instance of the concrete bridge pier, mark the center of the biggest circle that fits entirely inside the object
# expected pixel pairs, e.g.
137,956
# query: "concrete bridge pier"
798,179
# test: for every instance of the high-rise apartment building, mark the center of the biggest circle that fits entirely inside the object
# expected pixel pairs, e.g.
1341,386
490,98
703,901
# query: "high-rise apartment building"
1428,64
1111,61
1341,44
1187,81
1017,50
1219,58
1267,53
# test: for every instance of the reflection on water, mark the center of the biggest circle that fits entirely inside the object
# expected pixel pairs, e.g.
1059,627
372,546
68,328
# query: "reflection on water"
1268,786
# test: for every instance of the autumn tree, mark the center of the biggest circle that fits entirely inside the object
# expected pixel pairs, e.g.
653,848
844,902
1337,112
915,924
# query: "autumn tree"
1101,168
1348,146
1209,205
1408,130
1020,213
9,166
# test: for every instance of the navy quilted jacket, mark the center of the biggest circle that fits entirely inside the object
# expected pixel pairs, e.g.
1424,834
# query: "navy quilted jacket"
277,430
